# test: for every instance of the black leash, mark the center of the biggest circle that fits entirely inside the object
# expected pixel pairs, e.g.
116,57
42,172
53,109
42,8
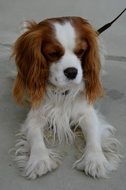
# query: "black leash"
106,26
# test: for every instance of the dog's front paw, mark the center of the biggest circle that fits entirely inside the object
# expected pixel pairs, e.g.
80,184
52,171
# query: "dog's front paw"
93,163
38,166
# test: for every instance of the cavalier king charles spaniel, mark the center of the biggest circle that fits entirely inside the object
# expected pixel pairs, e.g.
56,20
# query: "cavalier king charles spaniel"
58,69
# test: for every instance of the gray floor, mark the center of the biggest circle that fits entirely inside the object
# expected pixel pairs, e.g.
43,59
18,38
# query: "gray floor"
113,106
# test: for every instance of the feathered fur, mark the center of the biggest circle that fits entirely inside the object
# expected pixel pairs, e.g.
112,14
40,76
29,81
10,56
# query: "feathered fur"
58,65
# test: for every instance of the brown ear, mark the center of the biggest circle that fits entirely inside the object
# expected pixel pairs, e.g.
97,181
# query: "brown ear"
91,65
32,67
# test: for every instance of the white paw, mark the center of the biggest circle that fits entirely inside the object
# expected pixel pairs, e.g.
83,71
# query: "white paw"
93,163
38,166
35,164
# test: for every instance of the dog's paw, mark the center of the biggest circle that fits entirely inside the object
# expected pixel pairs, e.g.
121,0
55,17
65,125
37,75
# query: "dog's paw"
34,164
40,165
93,163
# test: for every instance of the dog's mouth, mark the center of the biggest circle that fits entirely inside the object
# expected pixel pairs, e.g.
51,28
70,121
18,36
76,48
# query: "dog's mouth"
66,90
65,83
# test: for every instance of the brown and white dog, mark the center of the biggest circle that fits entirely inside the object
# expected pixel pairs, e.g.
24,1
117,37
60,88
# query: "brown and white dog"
58,65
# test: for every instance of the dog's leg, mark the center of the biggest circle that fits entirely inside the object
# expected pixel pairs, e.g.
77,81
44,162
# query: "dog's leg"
40,159
93,161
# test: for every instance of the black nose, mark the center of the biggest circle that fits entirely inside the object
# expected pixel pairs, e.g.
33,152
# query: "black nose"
70,73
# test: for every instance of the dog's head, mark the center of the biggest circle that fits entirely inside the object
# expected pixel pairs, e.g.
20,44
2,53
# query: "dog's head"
61,51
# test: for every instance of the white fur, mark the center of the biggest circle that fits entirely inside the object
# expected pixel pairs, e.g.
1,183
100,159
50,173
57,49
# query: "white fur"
66,36
57,76
62,111
63,106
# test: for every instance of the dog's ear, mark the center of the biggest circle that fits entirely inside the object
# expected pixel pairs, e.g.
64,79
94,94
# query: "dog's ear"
31,65
91,64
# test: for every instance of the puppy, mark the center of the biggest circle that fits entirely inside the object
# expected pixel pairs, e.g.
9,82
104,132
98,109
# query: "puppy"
58,66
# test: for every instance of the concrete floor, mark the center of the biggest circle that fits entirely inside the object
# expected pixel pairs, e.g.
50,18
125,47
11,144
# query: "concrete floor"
113,106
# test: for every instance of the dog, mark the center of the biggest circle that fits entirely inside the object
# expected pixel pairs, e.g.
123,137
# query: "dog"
58,69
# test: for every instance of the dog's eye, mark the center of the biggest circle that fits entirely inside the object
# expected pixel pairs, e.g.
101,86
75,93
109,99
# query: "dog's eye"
80,52
54,54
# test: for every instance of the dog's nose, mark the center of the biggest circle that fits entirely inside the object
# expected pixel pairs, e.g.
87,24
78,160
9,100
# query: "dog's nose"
71,72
